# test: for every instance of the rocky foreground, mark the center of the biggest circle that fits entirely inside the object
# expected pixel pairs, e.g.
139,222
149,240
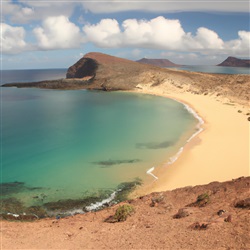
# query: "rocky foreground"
213,216
109,73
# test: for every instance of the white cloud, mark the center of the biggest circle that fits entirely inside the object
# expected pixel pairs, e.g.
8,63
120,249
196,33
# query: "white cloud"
158,33
12,39
104,34
26,11
166,6
240,46
207,39
162,33
58,33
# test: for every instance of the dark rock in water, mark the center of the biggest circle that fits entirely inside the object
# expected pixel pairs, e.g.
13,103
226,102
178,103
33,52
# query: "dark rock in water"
243,203
69,204
11,205
83,68
11,187
115,162
39,211
8,188
125,188
153,145
52,84
66,205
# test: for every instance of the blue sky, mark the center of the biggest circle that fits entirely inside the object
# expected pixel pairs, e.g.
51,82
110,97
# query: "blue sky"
55,34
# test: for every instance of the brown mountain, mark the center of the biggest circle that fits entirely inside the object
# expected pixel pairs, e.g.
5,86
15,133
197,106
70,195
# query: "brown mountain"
105,72
158,62
235,62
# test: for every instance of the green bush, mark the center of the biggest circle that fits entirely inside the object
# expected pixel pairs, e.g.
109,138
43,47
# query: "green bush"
123,212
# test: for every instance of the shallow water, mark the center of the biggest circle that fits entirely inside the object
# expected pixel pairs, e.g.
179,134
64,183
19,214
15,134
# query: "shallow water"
75,144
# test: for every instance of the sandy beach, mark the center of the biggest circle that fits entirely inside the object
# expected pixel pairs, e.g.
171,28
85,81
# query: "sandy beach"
219,153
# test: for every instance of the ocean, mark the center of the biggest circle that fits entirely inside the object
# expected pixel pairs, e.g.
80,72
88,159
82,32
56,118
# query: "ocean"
70,151
215,69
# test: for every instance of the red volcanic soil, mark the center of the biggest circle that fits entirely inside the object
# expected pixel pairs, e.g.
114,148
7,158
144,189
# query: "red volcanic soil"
213,216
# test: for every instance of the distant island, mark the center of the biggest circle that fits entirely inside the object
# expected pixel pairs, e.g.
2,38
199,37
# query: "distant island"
98,71
158,62
235,62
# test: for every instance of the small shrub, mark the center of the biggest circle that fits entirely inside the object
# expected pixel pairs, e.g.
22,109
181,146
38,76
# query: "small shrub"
201,201
121,214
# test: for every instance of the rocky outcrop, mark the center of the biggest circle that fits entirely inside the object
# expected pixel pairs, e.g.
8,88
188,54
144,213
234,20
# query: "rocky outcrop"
115,73
245,203
85,67
54,84
109,73
158,62
235,62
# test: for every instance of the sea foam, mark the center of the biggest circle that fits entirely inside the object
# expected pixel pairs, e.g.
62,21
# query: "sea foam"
95,206
198,127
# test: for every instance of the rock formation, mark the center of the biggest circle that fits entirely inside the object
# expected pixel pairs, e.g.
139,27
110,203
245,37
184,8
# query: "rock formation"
235,62
104,72
158,62
85,67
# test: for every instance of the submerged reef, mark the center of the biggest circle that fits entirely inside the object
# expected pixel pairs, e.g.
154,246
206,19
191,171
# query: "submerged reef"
154,145
8,188
109,163
14,209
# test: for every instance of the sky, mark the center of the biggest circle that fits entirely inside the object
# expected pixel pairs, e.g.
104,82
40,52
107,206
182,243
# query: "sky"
55,34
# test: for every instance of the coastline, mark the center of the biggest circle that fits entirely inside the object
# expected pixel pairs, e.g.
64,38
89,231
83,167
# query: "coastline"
149,226
217,152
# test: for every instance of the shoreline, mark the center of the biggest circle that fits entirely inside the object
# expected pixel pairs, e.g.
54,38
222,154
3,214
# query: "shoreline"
147,227
172,159
191,166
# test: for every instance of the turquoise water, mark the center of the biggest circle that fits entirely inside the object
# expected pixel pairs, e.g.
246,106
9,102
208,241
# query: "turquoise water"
70,142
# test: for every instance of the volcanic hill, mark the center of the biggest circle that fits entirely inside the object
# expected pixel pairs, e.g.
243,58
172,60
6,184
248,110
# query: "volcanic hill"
104,72
235,62
158,62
